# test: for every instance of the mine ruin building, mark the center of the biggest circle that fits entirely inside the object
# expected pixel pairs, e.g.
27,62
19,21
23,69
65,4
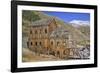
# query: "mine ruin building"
46,37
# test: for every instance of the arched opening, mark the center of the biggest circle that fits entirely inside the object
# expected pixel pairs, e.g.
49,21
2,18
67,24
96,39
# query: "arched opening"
45,30
35,43
35,31
40,43
31,43
51,42
30,31
58,53
58,43
64,52
53,53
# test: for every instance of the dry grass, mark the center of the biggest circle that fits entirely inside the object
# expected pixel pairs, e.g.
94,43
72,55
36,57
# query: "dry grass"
29,56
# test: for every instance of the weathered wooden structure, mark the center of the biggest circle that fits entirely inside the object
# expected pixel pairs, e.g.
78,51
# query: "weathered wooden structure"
46,37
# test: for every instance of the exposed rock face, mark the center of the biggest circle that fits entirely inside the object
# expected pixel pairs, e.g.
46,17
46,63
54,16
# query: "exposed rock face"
81,53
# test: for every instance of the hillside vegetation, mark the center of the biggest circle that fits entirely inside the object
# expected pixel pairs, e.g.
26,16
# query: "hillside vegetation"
80,35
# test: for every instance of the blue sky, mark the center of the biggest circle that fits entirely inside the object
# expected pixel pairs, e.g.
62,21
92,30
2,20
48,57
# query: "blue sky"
69,16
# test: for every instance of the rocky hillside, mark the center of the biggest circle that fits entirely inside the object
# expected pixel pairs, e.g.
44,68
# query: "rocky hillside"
80,35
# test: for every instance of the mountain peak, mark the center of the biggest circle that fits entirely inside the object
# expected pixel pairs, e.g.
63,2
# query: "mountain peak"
77,23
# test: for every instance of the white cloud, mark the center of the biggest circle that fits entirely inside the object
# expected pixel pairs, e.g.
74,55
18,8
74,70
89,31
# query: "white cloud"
79,22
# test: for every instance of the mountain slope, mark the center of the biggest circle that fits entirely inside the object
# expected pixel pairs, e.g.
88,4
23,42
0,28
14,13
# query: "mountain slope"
31,16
